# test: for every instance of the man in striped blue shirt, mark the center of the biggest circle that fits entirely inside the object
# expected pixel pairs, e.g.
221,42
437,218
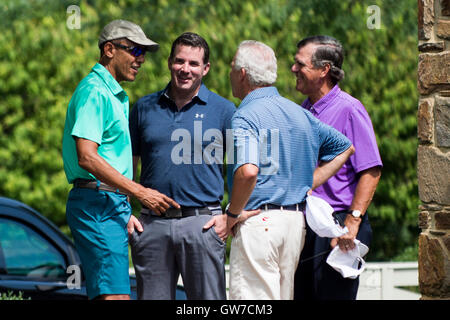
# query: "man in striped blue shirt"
277,145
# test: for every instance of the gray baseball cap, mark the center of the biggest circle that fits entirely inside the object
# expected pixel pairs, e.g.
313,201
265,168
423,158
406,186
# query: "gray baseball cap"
125,29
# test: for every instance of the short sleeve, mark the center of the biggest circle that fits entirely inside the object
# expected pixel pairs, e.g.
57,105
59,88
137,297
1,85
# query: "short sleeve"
89,116
360,131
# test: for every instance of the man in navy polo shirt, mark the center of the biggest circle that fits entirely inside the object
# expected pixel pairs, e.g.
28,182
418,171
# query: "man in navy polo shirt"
179,135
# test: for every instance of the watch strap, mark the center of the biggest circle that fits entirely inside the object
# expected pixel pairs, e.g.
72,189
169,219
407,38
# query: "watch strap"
232,215
229,213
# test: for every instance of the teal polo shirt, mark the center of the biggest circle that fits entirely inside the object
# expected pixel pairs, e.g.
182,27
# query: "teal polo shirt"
98,111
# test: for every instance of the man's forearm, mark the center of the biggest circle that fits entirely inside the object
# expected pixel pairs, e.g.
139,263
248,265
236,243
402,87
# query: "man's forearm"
90,161
244,182
104,172
326,170
364,192
365,189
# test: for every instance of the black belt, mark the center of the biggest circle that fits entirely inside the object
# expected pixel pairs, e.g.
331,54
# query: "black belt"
92,184
291,207
183,212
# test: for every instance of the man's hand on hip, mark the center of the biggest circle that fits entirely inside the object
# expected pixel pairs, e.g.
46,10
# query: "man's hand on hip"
133,224
219,222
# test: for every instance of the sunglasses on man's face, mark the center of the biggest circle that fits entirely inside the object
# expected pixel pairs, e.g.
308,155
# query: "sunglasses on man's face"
135,51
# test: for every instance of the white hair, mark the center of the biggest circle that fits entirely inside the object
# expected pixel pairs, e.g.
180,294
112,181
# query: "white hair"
259,62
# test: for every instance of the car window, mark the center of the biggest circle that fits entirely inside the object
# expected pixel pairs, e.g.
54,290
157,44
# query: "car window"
27,253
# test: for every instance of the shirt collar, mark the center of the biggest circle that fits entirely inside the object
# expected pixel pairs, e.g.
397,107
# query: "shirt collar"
109,80
201,95
260,93
323,102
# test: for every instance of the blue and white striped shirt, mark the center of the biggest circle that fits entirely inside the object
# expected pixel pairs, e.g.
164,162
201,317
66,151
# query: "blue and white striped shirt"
285,142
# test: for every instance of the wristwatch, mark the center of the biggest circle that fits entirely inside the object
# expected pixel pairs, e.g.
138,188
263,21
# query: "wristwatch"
230,214
355,213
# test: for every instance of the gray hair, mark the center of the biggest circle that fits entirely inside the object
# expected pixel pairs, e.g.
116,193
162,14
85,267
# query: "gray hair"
329,51
259,62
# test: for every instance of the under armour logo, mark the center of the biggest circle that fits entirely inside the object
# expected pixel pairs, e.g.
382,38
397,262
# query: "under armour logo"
197,115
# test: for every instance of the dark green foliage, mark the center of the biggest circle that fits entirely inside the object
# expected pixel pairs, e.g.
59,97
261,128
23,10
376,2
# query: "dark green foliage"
42,61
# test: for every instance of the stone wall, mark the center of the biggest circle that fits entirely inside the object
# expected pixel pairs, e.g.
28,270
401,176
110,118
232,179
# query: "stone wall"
433,154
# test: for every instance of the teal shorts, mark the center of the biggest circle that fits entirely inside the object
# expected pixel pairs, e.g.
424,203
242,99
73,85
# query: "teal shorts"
98,221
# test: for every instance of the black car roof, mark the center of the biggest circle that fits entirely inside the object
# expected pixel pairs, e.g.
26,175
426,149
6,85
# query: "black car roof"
32,216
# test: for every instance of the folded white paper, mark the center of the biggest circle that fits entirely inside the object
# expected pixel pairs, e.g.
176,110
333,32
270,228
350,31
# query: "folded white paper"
349,264
320,219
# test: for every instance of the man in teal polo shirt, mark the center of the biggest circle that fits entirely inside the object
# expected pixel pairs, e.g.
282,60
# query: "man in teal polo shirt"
98,162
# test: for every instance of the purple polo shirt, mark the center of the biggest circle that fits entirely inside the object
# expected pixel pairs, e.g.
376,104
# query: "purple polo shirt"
346,114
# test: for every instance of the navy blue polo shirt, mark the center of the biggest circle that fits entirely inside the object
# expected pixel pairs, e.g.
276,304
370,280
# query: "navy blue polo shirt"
182,151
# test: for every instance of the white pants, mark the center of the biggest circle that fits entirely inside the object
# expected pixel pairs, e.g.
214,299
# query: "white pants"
265,254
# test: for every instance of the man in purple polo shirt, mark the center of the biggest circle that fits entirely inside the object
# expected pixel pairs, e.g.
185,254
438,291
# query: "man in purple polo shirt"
317,66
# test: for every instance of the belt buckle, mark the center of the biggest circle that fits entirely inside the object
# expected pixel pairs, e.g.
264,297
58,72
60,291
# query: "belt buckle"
173,213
